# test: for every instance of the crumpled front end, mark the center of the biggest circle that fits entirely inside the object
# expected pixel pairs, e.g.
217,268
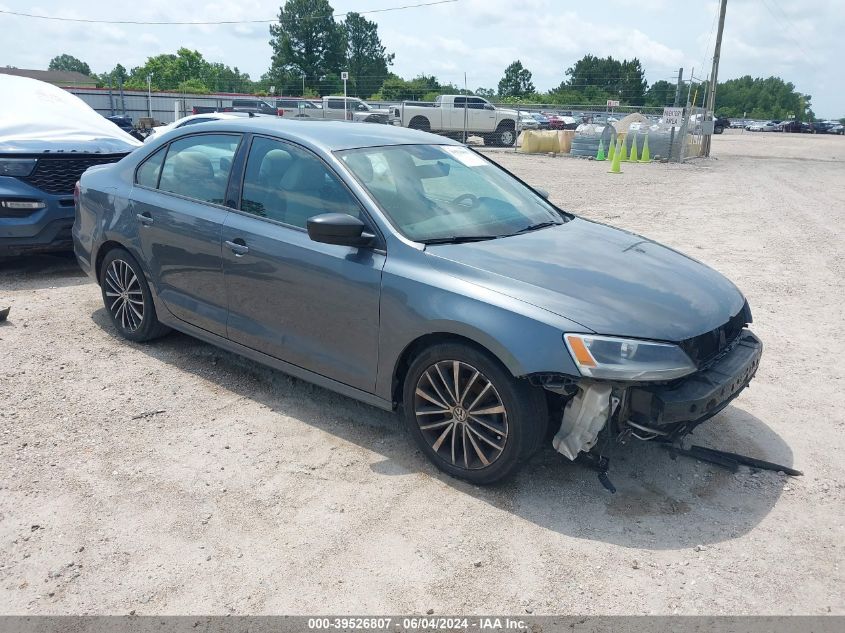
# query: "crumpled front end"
664,410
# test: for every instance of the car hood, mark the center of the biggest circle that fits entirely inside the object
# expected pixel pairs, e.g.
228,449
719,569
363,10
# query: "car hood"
607,280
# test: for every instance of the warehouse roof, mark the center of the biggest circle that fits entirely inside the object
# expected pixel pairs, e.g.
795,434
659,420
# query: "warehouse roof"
56,77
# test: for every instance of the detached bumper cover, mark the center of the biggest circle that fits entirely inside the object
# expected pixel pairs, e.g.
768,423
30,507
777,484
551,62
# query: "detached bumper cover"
700,395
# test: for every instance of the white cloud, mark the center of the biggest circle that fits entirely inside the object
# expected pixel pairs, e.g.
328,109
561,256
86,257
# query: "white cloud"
802,42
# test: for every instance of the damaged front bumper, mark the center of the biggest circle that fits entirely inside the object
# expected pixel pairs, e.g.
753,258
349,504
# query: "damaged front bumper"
699,396
650,410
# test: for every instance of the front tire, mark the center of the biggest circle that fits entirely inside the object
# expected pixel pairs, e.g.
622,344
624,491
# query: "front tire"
127,297
469,415
505,136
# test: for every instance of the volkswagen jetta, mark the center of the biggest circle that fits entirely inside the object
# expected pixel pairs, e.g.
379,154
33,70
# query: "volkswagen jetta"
410,272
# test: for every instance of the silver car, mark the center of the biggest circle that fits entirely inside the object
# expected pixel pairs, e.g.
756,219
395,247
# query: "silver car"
410,272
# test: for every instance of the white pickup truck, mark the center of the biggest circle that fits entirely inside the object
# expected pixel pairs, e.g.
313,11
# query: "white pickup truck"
450,115
339,108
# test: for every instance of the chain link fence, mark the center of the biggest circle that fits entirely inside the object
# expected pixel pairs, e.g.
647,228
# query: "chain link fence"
467,118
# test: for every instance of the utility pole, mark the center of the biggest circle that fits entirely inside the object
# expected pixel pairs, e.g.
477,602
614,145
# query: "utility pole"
714,73
678,87
675,104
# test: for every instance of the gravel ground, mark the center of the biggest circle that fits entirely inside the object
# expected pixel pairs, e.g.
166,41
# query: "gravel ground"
176,478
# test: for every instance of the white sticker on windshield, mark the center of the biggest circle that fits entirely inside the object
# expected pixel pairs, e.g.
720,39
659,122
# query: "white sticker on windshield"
464,156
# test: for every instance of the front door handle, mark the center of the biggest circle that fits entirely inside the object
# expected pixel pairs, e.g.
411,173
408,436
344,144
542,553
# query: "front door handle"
144,218
238,248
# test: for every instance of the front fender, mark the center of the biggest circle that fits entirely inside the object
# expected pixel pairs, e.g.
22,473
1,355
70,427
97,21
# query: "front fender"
525,338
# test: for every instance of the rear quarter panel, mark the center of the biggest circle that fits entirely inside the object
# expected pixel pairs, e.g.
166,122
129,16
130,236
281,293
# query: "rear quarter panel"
102,214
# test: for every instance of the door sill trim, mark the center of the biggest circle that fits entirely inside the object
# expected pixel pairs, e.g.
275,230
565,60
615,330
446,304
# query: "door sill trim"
280,365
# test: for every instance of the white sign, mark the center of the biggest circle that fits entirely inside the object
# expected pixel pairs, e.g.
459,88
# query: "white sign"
272,90
344,75
612,104
673,116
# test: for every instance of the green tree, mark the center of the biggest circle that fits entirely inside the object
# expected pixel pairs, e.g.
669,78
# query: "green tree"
306,42
759,98
516,81
623,80
487,93
115,76
366,58
660,94
69,63
185,71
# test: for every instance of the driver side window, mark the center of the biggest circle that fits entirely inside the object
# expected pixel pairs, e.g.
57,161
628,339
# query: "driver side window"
288,184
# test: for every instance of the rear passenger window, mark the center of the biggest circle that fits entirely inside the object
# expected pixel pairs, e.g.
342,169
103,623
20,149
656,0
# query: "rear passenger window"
147,174
198,166
287,184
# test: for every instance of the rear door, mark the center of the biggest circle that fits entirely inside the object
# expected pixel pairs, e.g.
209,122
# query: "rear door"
178,202
456,113
310,304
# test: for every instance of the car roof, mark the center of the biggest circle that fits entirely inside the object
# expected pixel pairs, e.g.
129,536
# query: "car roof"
329,136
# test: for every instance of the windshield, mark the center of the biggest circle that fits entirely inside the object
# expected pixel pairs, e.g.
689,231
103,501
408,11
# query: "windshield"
447,193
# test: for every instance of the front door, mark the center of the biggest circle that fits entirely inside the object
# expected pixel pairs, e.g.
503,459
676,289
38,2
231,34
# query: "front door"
178,204
310,304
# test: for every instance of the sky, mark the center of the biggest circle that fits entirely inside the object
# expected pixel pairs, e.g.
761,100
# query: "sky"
800,41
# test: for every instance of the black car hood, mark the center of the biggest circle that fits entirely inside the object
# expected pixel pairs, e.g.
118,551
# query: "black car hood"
608,280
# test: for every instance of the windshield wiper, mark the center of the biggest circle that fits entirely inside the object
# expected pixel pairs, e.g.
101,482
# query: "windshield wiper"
459,239
534,227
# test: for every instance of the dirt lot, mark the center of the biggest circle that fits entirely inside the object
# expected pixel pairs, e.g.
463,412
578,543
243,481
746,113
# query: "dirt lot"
176,478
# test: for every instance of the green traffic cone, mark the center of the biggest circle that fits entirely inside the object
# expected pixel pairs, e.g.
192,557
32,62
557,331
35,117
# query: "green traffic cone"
624,157
645,157
615,166
633,157
611,150
600,155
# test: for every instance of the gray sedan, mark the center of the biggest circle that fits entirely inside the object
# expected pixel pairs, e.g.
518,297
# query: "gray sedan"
408,271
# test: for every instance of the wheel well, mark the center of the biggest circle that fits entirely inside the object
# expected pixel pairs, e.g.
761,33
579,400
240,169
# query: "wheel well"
104,250
420,123
420,344
506,124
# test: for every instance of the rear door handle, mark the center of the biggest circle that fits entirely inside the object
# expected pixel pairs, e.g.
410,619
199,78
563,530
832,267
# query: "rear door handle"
237,249
145,219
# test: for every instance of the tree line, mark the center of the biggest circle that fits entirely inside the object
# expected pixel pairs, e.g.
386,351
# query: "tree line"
310,49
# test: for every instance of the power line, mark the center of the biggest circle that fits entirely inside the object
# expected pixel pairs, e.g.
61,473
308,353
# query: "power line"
784,27
212,22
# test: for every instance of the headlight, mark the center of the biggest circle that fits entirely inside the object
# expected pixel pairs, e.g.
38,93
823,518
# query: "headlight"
627,359
17,166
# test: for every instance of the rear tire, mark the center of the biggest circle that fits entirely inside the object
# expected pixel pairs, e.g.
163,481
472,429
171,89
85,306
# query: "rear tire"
420,123
485,433
127,297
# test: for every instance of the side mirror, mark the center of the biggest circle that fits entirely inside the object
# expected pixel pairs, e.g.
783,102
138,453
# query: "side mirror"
339,228
489,106
542,193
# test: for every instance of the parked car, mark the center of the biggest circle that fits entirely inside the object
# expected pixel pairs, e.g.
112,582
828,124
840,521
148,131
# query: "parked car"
412,273
527,122
836,128
738,124
822,127
193,119
245,105
720,124
761,126
124,122
332,108
450,115
48,137
795,127
542,120
561,121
